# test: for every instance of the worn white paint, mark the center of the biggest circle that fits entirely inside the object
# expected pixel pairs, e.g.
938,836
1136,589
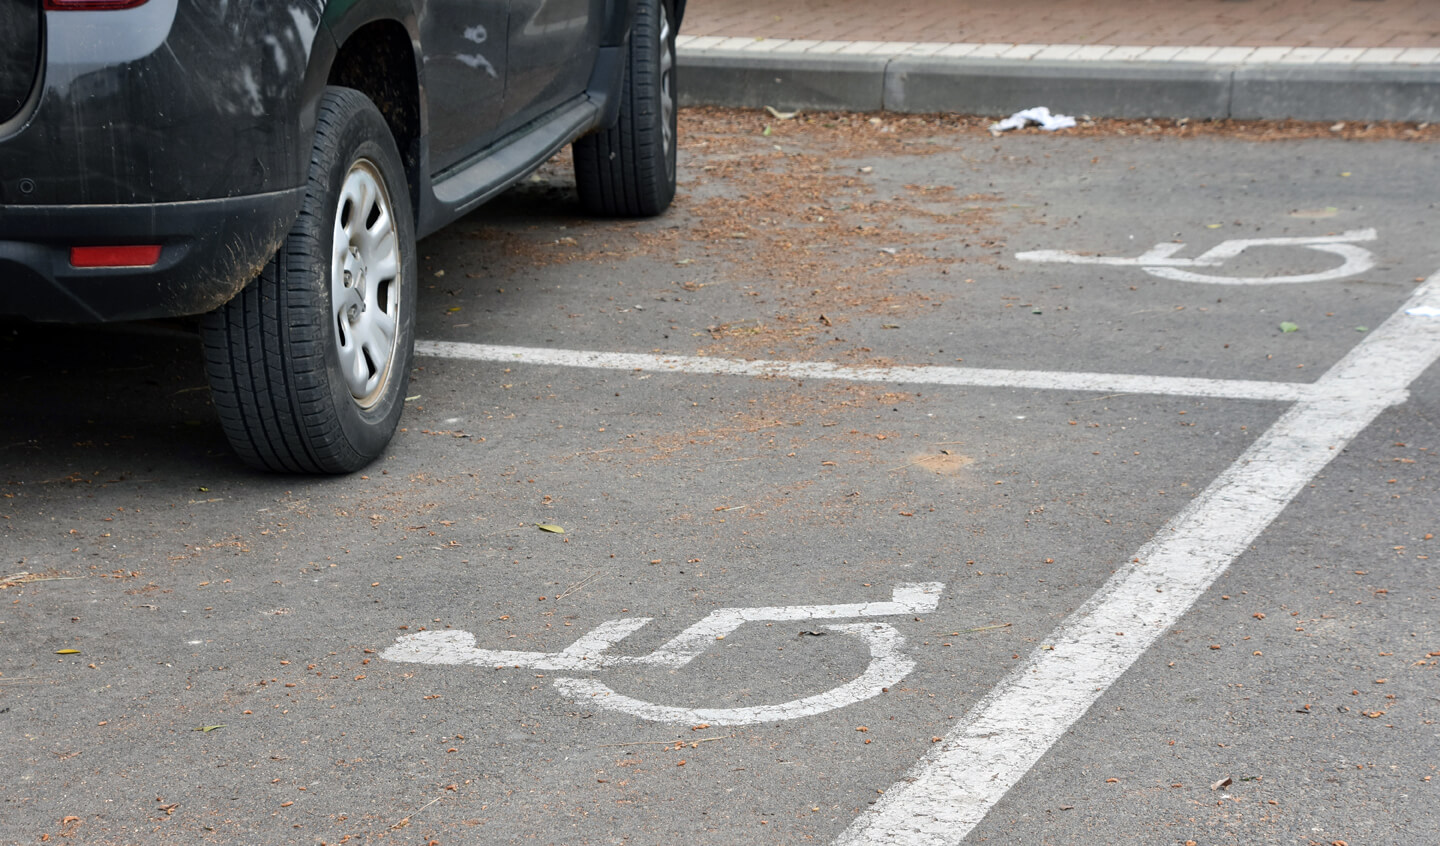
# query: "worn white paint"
1160,259
887,668
960,779
960,377
590,652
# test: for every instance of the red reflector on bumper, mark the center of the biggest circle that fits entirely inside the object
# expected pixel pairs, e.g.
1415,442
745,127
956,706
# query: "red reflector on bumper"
129,256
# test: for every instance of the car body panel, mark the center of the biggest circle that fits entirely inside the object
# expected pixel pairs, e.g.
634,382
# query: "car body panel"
465,61
553,45
20,60
128,94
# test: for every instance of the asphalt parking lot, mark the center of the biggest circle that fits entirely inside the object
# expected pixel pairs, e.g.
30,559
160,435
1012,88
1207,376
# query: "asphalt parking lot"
916,486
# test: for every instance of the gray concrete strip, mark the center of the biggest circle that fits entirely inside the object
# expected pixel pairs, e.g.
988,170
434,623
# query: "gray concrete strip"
1109,89
903,81
791,81
1337,92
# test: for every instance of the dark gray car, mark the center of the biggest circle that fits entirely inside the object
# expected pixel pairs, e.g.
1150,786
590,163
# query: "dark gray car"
270,166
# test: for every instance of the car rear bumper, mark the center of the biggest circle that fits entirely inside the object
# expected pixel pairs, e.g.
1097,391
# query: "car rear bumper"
210,249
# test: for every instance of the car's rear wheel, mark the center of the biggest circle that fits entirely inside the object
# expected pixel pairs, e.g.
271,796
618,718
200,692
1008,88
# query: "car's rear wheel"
628,170
308,364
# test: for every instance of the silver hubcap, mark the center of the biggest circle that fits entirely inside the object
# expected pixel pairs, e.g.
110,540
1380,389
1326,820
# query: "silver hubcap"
667,85
365,283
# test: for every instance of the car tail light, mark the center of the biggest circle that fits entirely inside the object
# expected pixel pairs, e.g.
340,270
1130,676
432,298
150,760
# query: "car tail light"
90,5
128,256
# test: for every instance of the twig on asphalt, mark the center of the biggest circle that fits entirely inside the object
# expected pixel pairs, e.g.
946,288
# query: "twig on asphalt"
972,631
406,821
579,586
25,578
681,740
728,461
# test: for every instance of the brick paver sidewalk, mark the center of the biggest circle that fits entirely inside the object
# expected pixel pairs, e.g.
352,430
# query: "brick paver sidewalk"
1221,23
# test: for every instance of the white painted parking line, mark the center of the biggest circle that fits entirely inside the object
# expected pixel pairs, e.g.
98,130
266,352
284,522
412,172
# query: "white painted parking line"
959,780
1160,259
960,377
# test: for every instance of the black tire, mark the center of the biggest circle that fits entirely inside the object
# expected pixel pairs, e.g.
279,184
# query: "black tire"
274,353
628,170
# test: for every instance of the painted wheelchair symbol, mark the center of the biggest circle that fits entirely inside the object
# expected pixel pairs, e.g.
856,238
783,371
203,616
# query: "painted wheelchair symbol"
1160,259
590,652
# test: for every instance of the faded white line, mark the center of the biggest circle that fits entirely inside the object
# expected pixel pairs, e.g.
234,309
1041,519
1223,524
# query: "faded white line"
959,780
973,377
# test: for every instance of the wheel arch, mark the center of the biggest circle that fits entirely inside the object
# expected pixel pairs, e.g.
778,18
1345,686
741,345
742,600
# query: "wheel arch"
374,48
620,16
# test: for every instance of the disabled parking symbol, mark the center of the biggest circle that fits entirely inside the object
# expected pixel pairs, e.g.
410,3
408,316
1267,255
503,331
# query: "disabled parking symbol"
1161,260
888,664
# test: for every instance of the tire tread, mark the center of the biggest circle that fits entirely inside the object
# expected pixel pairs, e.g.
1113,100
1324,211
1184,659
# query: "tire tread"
622,170
265,350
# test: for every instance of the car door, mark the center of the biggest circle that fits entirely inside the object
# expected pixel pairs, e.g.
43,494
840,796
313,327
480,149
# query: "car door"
465,73
553,44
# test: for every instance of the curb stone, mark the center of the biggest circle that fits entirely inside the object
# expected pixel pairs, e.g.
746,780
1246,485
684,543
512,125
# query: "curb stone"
902,82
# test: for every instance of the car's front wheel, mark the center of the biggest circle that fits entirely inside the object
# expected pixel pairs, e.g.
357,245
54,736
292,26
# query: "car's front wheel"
628,170
308,364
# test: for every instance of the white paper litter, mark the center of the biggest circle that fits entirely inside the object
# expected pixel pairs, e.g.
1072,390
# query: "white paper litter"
1423,311
1038,115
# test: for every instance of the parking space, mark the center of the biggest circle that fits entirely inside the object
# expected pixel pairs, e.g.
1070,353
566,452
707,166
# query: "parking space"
902,485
